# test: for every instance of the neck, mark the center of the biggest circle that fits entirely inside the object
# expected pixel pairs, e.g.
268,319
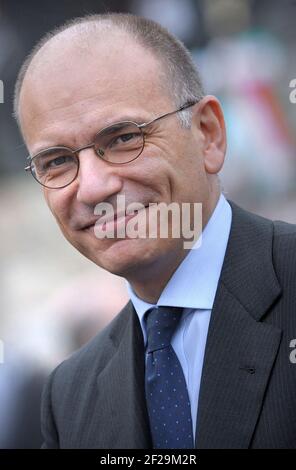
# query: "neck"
149,286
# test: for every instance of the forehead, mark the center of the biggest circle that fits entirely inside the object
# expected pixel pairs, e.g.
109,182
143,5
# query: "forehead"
70,86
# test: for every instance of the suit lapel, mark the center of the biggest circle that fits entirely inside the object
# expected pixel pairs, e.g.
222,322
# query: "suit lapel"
122,387
240,349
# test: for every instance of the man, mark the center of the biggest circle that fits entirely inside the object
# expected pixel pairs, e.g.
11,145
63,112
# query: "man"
111,106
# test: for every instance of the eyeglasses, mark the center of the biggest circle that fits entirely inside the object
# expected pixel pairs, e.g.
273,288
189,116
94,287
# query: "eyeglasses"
120,143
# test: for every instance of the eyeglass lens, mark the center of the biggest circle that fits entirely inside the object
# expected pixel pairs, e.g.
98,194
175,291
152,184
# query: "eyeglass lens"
57,167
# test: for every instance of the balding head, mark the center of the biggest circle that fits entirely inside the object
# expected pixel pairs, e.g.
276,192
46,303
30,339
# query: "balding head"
179,76
78,85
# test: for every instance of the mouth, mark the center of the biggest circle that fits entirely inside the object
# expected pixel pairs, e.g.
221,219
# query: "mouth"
111,224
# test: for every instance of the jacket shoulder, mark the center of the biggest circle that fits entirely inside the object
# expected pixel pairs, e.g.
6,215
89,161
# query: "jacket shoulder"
282,228
284,251
71,384
94,354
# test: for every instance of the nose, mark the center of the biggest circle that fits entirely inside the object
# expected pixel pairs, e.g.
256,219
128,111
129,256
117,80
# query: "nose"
97,180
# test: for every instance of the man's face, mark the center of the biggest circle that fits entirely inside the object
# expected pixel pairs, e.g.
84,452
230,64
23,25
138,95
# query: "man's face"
72,94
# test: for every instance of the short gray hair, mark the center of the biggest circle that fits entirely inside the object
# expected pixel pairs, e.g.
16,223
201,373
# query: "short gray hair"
182,77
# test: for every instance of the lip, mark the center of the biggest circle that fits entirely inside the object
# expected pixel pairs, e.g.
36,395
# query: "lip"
87,225
114,224
111,223
96,221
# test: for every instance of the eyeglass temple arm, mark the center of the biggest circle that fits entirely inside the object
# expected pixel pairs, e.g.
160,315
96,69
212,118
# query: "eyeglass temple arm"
185,106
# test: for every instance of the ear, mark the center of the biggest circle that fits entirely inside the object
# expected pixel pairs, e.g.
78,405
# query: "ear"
209,118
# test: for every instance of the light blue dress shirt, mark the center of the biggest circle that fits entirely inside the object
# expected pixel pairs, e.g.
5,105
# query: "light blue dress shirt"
193,287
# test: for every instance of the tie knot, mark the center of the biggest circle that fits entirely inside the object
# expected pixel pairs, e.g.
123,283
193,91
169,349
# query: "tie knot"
161,323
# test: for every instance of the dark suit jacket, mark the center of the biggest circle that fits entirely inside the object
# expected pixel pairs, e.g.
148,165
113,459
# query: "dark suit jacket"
247,398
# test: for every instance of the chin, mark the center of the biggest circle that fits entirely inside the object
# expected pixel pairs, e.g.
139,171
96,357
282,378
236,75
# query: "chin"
126,257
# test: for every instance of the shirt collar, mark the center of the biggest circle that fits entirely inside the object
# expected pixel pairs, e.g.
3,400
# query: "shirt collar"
194,283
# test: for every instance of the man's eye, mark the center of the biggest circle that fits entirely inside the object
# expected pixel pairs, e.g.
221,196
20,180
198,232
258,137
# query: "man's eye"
125,138
58,161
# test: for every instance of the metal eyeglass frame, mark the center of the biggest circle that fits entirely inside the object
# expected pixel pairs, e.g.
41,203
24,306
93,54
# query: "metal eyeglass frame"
90,145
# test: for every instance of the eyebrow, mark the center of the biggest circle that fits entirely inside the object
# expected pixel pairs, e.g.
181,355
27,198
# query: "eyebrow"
137,119
124,118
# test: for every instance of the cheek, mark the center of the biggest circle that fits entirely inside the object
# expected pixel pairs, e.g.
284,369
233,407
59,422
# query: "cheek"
193,168
190,178
148,176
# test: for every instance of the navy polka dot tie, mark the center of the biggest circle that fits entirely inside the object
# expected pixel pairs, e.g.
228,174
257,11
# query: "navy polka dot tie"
166,392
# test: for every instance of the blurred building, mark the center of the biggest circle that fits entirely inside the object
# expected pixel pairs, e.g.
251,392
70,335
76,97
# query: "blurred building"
52,299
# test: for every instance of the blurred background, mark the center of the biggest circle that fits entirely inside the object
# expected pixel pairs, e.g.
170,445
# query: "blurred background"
52,299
